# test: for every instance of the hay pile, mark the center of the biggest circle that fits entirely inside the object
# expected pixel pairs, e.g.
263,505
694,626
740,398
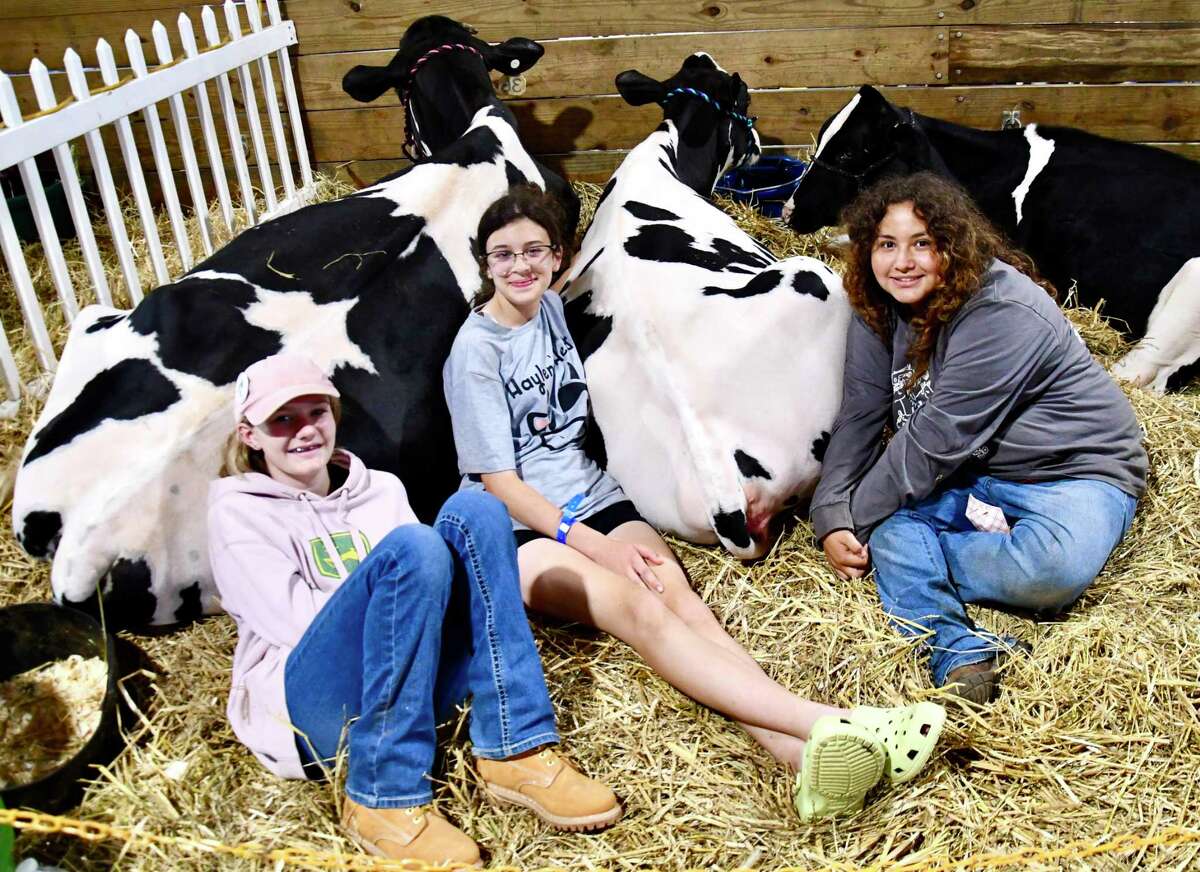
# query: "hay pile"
50,713
1097,734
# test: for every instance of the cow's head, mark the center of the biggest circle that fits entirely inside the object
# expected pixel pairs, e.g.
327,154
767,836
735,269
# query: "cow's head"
708,108
867,139
441,76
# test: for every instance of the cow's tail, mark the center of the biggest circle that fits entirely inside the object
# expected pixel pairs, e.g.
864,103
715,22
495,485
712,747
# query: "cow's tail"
719,480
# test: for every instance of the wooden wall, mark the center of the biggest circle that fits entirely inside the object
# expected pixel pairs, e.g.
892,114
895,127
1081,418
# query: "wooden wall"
1135,66
1120,68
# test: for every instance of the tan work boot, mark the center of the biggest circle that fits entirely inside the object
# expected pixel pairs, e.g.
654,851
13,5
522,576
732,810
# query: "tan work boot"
546,783
418,833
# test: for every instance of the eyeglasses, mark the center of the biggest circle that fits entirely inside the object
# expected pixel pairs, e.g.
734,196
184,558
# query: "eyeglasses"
502,260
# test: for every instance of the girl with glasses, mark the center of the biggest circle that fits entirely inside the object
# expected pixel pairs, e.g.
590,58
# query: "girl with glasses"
516,390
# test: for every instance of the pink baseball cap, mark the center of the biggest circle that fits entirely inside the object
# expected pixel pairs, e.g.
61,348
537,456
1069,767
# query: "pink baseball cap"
265,386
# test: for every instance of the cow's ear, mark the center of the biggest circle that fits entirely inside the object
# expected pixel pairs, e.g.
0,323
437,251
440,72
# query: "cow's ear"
513,56
870,96
639,89
365,83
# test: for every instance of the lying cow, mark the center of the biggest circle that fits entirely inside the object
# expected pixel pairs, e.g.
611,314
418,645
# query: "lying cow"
372,286
714,370
1087,209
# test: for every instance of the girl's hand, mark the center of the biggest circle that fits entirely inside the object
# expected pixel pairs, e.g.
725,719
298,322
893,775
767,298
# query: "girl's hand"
631,561
846,554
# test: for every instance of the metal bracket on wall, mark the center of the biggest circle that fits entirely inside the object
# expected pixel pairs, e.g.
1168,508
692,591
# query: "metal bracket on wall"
1010,119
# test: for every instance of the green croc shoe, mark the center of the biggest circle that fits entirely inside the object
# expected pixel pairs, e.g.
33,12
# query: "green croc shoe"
842,762
909,733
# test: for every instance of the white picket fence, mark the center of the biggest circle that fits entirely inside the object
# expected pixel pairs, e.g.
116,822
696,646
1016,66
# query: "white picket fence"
85,112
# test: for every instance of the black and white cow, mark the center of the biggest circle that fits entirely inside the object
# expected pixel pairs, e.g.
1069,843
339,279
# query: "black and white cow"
1121,220
715,370
372,286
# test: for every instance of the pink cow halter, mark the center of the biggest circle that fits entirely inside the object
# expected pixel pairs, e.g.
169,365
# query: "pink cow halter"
410,141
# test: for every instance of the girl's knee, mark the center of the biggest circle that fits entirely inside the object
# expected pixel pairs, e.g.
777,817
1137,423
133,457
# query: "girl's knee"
688,606
476,506
1049,575
1055,592
644,617
418,551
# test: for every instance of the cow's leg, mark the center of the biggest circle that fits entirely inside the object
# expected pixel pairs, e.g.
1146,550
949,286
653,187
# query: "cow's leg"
560,581
1172,338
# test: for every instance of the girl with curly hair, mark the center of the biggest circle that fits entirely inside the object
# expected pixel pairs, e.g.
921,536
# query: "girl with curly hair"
1015,463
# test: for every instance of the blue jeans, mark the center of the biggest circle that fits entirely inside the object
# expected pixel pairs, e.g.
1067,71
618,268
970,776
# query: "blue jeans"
431,615
930,561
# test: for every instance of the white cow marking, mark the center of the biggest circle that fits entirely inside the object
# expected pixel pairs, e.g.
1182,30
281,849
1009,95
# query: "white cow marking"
836,124
304,326
1040,150
451,198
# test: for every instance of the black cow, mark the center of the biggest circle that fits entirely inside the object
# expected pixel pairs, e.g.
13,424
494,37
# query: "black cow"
1121,220
372,286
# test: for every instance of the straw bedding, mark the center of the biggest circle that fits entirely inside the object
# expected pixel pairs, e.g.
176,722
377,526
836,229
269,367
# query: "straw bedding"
1097,734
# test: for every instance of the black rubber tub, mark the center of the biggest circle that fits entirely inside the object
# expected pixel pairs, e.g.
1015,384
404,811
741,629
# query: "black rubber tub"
37,633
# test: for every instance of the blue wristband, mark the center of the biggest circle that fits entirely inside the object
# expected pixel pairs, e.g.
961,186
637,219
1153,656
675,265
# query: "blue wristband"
564,527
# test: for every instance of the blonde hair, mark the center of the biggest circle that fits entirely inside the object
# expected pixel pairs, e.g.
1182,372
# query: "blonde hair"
238,458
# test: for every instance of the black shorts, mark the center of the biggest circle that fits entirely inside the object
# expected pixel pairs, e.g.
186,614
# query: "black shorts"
604,521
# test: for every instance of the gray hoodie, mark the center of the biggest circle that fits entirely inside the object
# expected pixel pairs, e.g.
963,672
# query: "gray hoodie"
278,554
1011,392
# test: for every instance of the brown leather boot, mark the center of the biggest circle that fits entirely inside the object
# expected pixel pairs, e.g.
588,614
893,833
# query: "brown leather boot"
975,682
546,783
418,833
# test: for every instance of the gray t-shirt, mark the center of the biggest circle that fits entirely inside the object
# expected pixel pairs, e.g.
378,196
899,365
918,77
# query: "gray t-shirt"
1011,392
518,400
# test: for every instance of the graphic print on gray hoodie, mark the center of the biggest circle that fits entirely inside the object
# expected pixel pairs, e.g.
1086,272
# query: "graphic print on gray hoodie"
518,400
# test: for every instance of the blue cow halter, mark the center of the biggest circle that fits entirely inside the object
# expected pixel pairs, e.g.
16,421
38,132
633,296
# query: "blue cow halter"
747,120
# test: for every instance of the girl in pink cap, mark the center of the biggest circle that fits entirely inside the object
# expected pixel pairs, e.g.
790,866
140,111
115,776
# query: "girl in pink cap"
349,611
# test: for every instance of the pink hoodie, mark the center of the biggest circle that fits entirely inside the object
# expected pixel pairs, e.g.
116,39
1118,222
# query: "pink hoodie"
278,554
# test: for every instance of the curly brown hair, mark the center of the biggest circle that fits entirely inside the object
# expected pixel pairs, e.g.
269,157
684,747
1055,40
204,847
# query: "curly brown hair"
964,240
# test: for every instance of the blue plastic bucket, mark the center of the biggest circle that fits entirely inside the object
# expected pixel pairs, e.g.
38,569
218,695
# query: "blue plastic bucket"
766,184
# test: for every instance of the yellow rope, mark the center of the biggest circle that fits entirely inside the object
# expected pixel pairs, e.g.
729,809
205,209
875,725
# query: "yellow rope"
95,831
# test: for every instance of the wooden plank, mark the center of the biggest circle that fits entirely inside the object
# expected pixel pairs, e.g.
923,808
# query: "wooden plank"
1190,150
1141,53
1104,11
342,25
598,166
1130,112
836,56
48,37
15,10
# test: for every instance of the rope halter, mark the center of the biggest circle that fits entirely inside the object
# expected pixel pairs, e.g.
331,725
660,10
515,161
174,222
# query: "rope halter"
747,120
410,141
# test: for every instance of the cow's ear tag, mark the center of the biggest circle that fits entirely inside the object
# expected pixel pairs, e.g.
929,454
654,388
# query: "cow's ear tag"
242,389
